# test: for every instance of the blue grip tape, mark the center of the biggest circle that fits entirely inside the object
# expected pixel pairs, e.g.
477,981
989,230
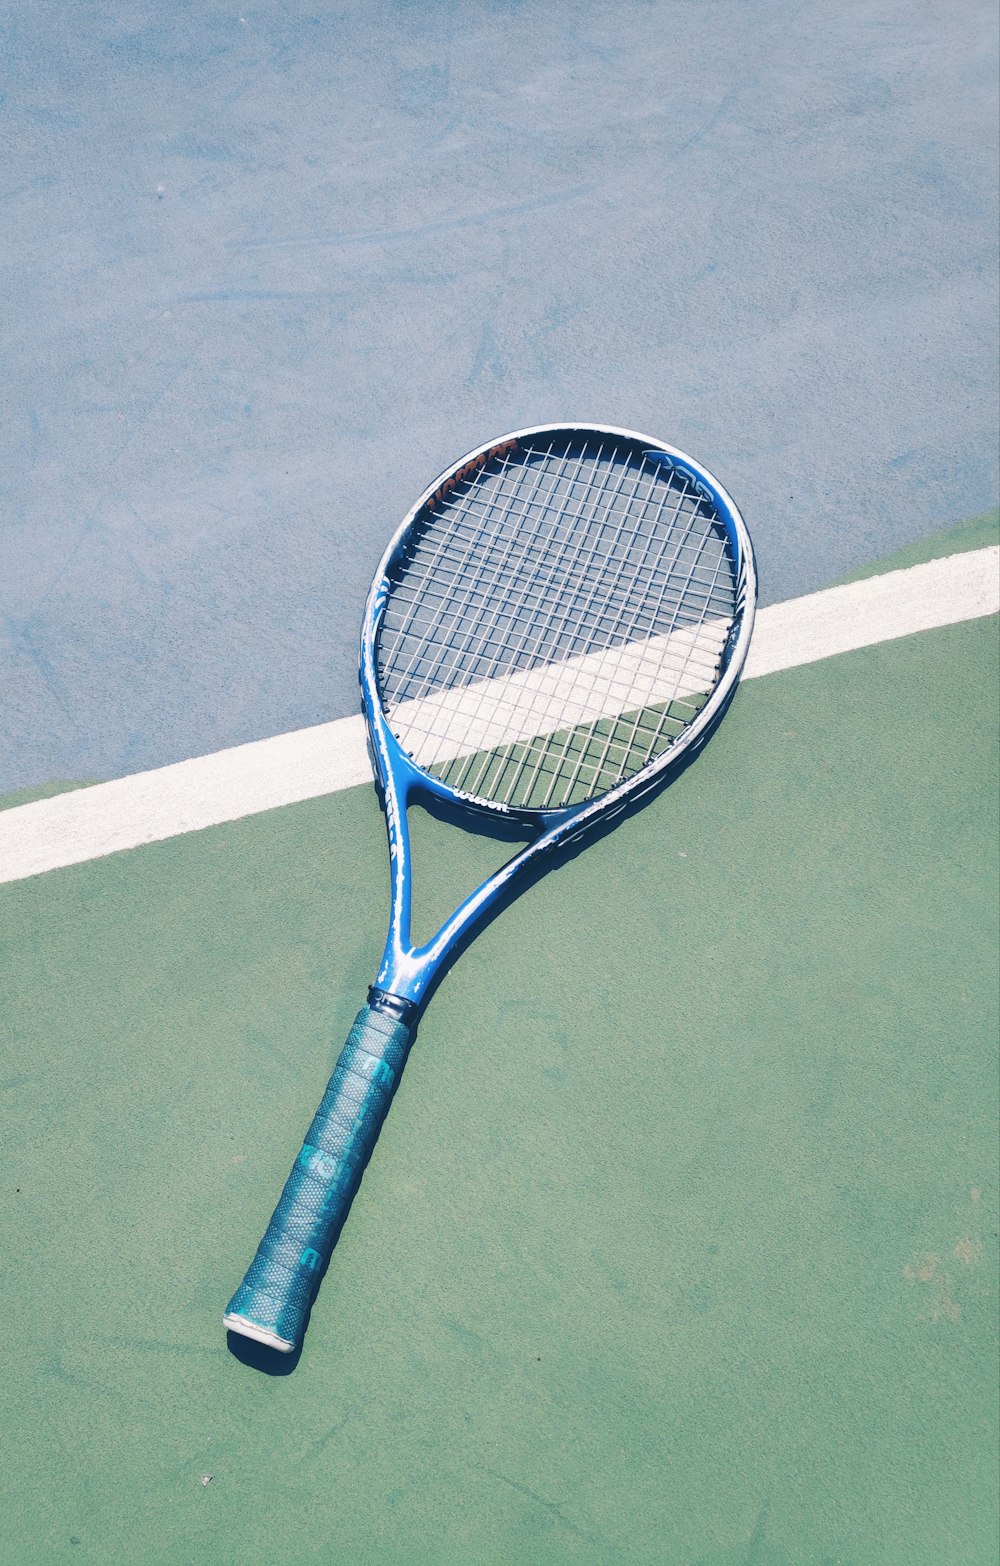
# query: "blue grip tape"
272,1303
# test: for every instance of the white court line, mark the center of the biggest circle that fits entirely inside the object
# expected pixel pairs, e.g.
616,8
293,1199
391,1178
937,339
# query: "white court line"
148,807
535,702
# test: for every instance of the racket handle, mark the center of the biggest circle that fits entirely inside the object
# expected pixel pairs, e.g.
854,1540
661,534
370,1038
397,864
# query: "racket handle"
272,1303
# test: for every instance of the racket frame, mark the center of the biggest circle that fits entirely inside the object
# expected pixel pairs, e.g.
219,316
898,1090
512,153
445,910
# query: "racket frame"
406,972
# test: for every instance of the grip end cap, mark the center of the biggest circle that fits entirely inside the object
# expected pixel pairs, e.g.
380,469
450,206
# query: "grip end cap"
249,1329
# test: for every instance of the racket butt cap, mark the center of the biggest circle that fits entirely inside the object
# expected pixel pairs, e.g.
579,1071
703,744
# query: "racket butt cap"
249,1329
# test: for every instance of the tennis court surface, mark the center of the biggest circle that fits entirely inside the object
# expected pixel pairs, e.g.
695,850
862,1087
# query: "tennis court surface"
680,1242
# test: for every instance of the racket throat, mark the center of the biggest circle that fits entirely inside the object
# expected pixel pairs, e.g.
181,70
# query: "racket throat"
396,1006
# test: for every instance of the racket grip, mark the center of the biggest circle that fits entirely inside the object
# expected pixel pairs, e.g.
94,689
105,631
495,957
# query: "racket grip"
272,1303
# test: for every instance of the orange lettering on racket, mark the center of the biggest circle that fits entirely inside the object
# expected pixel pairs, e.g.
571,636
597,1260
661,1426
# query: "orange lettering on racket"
468,468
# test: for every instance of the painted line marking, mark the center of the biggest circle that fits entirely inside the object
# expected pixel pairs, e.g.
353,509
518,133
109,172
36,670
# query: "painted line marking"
537,702
878,609
149,807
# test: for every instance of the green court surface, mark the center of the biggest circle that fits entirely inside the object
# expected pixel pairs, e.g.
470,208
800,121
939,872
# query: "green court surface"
680,1243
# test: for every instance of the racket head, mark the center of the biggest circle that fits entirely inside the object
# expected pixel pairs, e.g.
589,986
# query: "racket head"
561,616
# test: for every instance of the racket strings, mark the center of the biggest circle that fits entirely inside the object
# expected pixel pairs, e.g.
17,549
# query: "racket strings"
476,564
541,628
670,718
524,577
516,555
550,717
515,583
543,715
556,622
614,755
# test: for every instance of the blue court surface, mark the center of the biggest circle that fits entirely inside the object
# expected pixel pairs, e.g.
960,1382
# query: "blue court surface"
267,271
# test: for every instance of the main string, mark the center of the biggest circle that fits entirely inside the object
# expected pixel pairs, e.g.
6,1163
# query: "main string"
556,622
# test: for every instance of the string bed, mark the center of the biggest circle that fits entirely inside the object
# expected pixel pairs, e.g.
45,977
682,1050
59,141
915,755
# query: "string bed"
555,621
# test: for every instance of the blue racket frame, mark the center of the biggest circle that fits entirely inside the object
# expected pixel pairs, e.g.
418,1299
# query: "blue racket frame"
407,972
273,1302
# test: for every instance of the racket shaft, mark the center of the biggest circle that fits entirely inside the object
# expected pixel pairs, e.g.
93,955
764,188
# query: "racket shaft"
272,1303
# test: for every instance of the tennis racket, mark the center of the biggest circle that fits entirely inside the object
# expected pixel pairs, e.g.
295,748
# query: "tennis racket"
561,618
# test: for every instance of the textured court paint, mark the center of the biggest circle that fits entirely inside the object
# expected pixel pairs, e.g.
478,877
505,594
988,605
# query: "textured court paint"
697,1275
266,272
27,796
